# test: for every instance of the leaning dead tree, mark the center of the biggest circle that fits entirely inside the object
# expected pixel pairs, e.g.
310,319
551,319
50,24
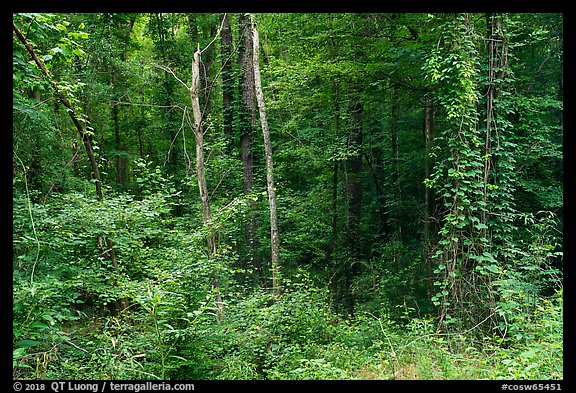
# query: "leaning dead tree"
105,244
78,121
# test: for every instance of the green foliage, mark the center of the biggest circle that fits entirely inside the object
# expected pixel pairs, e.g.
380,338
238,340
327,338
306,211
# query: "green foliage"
537,334
124,288
533,274
294,337
457,177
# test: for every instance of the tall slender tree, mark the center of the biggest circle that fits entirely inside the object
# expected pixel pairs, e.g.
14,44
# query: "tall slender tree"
274,236
249,119
200,173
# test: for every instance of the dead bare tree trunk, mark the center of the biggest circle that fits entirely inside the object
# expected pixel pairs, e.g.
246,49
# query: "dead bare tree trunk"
269,165
199,137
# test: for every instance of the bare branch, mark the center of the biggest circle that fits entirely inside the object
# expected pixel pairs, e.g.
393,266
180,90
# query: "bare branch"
168,70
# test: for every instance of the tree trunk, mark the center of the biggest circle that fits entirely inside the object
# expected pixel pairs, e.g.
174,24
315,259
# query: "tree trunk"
334,257
354,166
396,167
249,124
427,232
227,82
275,240
492,54
355,185
428,135
199,138
205,89
335,175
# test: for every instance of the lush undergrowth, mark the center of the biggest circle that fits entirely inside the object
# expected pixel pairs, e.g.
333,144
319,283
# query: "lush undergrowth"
296,337
68,324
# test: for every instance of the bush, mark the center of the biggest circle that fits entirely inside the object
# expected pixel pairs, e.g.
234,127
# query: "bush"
536,349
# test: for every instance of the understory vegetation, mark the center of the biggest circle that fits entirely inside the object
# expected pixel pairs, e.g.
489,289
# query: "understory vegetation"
64,327
417,176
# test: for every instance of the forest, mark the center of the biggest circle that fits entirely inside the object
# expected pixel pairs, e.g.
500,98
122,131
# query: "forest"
283,196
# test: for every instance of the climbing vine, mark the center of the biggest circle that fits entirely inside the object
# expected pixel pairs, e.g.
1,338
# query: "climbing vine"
465,177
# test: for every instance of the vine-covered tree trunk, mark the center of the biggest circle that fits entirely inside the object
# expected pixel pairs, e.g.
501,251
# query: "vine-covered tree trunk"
475,179
498,176
457,178
428,199
249,113
227,81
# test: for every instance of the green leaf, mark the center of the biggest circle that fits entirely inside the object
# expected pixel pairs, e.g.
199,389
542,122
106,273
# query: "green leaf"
78,52
39,325
27,343
481,226
49,318
492,268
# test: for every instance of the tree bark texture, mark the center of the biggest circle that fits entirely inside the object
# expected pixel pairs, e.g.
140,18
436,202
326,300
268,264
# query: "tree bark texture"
249,121
199,137
248,100
274,237
227,82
